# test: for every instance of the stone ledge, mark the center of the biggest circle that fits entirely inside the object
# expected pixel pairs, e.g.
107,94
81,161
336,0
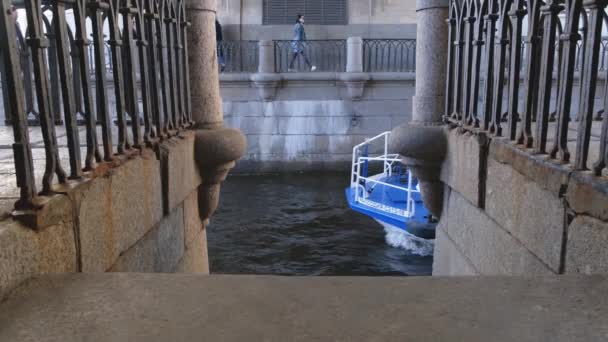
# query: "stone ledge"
157,307
588,194
319,76
92,222
546,173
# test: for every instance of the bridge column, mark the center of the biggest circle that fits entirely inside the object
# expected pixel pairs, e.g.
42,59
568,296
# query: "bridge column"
422,142
431,60
216,147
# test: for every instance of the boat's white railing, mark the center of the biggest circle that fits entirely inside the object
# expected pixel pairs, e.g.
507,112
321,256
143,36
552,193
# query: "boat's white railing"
388,160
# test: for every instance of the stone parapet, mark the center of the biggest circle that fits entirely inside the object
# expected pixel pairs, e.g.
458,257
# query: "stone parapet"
464,165
491,249
548,211
449,261
142,215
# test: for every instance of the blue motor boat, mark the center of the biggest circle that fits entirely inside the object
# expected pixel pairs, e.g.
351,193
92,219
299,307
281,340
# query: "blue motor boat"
384,189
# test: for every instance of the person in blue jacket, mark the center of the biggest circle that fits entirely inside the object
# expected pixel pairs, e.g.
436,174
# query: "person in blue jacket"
297,45
219,37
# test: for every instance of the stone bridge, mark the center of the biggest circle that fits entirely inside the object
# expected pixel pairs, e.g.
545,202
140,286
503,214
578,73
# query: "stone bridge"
87,228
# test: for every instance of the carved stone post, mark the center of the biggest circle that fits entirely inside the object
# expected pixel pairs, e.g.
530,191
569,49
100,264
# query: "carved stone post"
354,79
217,148
422,142
266,80
354,54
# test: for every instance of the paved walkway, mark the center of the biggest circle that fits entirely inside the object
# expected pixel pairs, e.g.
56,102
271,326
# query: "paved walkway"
157,307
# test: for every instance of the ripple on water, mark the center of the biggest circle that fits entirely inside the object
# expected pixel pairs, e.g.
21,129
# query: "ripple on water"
300,225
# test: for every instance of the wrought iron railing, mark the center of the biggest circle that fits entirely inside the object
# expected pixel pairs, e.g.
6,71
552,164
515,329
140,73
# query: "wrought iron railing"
491,30
108,57
149,47
389,55
238,56
324,55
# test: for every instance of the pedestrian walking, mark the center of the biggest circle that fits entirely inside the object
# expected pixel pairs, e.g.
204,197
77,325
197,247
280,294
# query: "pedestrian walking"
298,44
219,37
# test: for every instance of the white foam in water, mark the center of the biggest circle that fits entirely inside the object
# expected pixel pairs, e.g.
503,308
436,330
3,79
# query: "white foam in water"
399,238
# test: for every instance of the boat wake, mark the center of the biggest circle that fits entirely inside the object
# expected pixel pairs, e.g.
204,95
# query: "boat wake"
399,238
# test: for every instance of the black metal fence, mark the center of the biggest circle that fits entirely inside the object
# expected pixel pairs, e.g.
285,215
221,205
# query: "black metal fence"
558,31
389,55
238,55
148,49
323,55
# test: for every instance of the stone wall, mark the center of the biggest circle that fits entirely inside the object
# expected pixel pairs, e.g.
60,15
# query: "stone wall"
507,212
312,123
140,216
242,20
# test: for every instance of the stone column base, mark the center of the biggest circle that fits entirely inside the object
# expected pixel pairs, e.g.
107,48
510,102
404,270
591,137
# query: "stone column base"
267,84
355,84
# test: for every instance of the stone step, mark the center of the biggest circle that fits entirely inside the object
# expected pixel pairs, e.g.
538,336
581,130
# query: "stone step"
169,307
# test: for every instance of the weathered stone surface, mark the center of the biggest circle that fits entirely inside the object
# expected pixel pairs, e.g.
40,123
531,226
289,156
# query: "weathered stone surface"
158,307
586,249
335,125
491,249
136,198
160,250
431,58
253,124
215,147
192,221
25,253
202,62
448,260
309,111
534,216
98,239
53,210
463,166
196,258
179,169
547,174
588,195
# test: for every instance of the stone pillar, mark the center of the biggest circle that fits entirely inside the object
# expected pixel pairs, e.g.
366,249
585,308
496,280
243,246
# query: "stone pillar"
431,60
354,54
422,143
266,80
266,56
216,147
354,79
202,59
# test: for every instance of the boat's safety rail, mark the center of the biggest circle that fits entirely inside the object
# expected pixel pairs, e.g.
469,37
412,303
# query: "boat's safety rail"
362,183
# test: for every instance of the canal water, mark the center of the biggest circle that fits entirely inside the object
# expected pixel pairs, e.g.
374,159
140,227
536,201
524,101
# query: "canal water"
301,225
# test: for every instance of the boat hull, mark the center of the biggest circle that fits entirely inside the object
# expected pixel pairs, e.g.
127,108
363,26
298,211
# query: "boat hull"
418,225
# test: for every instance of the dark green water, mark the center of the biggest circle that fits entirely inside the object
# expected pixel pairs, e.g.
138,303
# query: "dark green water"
300,225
